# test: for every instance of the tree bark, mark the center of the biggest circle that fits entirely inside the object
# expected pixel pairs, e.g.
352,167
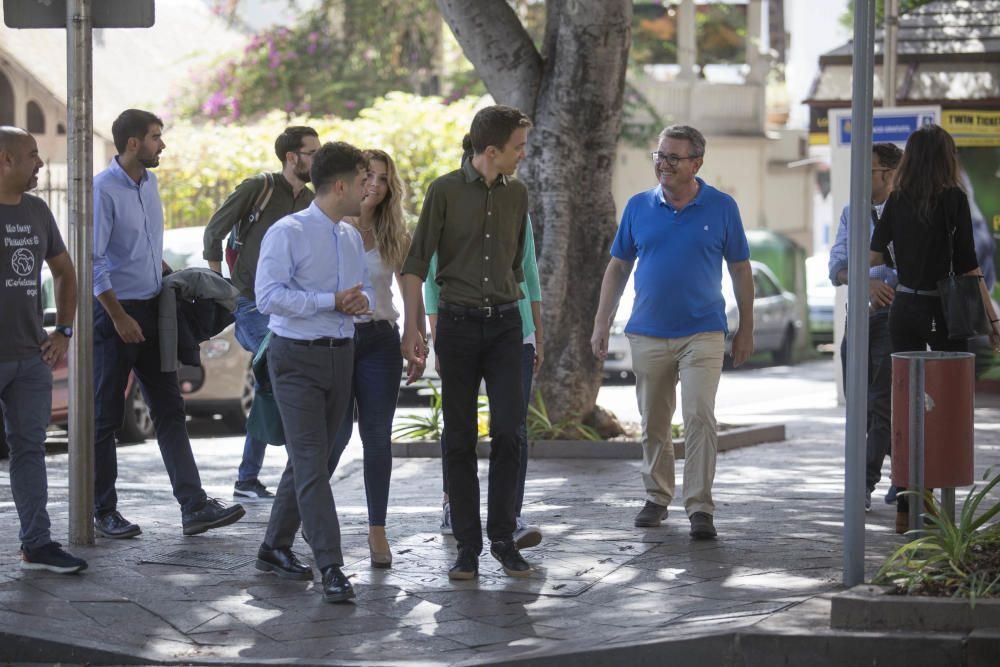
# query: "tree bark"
574,96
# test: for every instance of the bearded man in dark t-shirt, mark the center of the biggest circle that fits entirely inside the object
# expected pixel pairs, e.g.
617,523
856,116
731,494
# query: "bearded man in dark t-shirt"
27,353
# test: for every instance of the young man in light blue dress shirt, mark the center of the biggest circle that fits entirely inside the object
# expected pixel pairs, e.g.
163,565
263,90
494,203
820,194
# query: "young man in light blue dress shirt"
312,279
128,275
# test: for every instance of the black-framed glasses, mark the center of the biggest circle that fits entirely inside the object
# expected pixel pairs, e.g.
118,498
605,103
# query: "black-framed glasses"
671,158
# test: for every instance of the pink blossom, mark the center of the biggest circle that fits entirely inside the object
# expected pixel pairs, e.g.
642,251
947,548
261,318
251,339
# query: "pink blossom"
350,104
214,103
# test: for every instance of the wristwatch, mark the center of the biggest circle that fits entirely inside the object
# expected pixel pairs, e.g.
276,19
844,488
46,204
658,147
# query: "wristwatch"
64,330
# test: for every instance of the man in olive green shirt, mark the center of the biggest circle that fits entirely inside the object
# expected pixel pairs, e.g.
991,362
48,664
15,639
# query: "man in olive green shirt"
289,194
474,218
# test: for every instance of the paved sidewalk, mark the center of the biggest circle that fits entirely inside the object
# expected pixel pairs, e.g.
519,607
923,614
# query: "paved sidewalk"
599,582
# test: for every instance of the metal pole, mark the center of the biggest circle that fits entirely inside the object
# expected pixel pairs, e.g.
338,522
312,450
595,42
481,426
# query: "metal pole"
889,53
948,502
916,427
79,70
856,386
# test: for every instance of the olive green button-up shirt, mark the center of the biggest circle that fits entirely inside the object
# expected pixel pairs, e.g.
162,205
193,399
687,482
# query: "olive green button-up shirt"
237,207
478,234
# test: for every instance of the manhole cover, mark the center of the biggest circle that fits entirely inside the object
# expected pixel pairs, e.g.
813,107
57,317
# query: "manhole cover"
212,561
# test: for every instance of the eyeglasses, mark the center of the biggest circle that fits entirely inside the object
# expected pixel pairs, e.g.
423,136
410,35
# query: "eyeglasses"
671,159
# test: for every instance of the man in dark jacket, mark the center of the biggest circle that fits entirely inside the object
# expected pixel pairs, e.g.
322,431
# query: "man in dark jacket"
284,192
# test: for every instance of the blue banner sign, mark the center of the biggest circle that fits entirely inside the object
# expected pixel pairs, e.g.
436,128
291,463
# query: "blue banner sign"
894,128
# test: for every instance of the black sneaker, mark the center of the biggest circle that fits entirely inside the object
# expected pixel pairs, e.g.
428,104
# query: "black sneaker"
651,515
466,565
510,558
251,489
213,514
868,500
115,526
51,557
702,526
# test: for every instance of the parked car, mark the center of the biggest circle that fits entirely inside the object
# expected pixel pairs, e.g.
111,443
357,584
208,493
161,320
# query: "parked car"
776,325
820,296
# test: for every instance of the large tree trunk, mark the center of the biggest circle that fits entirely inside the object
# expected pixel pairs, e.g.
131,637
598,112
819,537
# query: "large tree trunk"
573,92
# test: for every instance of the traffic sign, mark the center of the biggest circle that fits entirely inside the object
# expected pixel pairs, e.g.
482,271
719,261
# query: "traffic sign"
52,13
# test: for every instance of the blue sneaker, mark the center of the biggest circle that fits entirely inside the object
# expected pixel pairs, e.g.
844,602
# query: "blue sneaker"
51,557
890,496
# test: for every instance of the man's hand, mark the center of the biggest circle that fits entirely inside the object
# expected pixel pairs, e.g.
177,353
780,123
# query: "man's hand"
54,348
414,347
414,371
215,266
539,356
128,329
352,301
599,339
742,346
880,294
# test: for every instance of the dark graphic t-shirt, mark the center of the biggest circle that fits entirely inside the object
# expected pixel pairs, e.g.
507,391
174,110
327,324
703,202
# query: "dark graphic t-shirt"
30,236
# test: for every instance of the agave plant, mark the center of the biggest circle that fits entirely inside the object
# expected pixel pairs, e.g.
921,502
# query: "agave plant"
958,558
419,427
541,426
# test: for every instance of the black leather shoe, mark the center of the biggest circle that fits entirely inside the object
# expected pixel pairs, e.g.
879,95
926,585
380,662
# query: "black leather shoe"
510,558
115,526
336,587
466,565
283,563
213,514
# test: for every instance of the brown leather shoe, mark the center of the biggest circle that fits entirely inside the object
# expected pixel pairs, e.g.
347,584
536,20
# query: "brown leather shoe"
378,547
902,522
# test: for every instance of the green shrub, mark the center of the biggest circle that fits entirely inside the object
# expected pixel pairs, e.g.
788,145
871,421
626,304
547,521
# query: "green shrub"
203,162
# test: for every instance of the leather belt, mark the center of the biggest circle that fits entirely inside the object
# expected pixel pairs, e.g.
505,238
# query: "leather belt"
479,312
317,342
919,292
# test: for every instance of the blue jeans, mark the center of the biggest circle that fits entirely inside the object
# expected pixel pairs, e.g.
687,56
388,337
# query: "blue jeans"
114,360
26,398
378,367
528,369
251,327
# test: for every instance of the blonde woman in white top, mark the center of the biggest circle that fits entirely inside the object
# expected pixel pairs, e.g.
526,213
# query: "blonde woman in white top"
378,363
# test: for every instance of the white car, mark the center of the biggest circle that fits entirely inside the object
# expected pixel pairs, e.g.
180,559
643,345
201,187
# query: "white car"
820,296
776,323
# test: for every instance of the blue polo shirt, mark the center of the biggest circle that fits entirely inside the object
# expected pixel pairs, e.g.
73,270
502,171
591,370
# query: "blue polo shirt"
678,278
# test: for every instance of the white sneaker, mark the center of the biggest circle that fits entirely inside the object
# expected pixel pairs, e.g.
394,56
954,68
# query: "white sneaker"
446,519
526,536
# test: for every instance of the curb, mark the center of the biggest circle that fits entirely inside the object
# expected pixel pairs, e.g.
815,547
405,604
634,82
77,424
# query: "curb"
870,607
734,438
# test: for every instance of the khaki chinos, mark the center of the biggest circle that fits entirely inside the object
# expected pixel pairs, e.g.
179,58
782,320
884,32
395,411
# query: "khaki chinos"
659,363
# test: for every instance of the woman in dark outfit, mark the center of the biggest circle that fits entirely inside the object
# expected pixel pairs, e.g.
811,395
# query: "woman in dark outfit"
925,203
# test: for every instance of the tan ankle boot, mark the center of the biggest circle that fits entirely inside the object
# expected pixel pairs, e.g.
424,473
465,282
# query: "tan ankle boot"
378,546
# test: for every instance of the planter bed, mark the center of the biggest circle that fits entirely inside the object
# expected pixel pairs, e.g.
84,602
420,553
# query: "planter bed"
733,438
869,607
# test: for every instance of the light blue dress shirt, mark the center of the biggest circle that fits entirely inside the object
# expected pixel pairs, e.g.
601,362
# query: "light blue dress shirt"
305,259
128,234
839,251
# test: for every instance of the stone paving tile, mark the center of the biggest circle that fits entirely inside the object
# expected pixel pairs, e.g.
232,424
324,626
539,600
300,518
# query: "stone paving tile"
599,580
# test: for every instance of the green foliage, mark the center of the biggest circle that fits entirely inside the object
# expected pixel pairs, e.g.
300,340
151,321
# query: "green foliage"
204,161
847,20
336,59
956,559
417,427
541,426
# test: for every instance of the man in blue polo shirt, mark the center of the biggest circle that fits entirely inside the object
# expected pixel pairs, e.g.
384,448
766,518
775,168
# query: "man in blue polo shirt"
680,231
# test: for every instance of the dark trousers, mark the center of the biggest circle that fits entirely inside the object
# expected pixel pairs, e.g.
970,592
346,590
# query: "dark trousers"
471,349
26,399
114,360
527,373
879,408
916,322
378,366
311,386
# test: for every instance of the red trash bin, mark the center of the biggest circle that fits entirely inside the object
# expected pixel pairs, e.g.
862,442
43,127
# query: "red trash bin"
949,400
